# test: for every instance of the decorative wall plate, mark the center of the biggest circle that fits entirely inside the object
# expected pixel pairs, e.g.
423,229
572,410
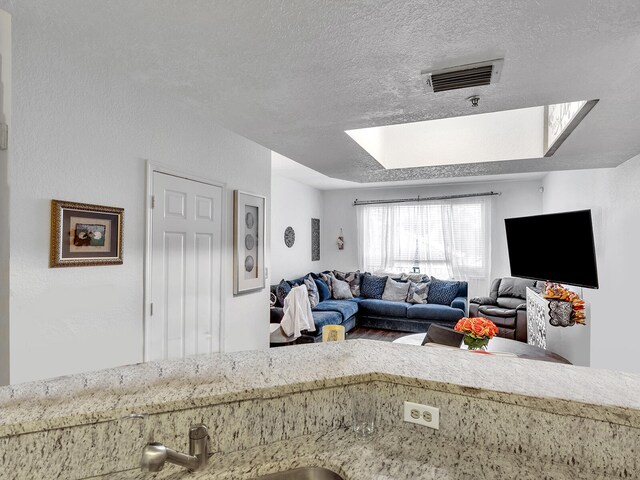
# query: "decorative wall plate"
248,263
289,237
249,242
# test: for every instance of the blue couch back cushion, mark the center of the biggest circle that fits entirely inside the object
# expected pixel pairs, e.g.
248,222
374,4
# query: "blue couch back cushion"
323,290
442,292
372,286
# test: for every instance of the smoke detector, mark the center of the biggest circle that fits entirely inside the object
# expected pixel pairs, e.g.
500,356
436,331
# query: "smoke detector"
463,76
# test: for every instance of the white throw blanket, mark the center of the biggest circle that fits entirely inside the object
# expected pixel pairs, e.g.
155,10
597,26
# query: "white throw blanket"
297,312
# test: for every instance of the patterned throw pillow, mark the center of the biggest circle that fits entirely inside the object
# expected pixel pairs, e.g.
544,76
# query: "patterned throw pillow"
327,278
312,288
442,292
341,290
352,278
415,277
282,290
372,286
418,292
395,291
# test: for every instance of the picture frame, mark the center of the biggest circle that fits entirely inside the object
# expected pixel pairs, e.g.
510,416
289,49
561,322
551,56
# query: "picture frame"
248,242
84,235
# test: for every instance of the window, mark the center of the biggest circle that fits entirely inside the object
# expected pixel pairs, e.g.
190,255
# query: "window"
446,239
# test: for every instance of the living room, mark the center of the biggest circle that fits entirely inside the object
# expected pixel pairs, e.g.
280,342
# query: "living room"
110,109
594,168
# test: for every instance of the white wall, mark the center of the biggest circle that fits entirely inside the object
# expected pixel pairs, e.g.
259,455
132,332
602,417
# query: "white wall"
5,117
614,197
517,199
81,132
293,204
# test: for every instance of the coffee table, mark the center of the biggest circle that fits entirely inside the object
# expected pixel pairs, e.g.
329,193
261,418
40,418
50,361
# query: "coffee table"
498,346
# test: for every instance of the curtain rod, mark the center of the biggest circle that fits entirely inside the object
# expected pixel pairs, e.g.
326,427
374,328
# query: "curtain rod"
424,199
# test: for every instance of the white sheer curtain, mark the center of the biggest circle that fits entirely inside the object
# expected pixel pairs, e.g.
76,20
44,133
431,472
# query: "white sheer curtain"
447,239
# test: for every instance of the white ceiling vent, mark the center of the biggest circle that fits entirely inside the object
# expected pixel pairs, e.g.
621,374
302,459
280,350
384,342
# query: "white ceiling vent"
463,76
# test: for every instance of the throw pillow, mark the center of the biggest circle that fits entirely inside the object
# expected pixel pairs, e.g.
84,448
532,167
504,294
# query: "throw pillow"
312,288
418,292
415,277
372,286
282,290
395,291
442,292
323,290
341,290
327,277
352,278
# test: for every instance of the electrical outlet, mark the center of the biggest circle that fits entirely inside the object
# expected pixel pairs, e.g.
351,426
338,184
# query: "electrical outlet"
424,415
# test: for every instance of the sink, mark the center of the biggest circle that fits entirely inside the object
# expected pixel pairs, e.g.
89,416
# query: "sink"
306,473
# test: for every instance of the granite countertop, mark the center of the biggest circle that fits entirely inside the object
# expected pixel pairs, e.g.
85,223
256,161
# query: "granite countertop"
393,454
207,380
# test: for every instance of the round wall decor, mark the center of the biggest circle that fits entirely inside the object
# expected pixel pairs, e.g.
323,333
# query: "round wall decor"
289,237
249,242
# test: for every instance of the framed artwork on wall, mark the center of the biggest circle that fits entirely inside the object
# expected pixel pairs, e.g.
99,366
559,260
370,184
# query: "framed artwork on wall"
315,239
85,235
248,241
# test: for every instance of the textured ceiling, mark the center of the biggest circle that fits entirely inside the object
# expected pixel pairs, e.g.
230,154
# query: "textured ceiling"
293,75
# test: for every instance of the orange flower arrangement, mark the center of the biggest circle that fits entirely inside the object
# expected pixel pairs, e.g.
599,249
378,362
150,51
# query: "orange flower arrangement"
554,291
478,331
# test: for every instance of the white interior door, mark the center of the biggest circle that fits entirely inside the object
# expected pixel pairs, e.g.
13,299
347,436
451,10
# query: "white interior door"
186,246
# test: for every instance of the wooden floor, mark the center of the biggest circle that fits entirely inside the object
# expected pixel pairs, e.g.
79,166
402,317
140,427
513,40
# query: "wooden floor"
374,334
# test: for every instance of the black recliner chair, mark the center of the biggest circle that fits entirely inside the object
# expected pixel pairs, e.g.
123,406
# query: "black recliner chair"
506,306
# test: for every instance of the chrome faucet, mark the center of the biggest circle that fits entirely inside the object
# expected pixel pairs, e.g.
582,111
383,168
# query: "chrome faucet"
155,454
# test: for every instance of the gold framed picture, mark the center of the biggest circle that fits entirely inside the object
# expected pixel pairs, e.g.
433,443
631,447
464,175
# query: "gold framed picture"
85,235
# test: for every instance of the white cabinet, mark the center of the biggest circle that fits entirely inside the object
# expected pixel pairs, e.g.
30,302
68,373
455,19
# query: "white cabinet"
573,343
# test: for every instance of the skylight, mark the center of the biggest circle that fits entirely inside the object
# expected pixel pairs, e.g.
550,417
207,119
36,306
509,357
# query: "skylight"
487,137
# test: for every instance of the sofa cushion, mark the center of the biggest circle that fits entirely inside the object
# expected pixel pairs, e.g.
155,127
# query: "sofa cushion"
372,286
345,307
323,290
282,290
395,291
340,290
515,287
414,277
502,317
385,308
511,302
327,277
497,311
352,278
442,292
320,319
312,290
418,292
432,311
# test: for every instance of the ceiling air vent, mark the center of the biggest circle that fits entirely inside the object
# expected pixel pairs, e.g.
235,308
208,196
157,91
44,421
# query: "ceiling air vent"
463,76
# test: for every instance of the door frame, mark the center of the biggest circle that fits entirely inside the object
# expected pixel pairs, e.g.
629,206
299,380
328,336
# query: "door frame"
151,168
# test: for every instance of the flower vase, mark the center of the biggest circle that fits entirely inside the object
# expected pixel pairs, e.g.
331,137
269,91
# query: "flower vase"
476,343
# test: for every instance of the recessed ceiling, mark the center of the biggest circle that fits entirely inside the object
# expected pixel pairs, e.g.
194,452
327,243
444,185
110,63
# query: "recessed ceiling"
294,75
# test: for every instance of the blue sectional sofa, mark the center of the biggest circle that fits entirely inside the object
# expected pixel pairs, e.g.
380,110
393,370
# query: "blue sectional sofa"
383,314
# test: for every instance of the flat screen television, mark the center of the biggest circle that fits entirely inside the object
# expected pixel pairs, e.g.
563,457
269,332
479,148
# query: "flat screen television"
557,247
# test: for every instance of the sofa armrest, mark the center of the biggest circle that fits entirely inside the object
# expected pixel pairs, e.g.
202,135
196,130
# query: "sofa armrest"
521,325
484,301
461,303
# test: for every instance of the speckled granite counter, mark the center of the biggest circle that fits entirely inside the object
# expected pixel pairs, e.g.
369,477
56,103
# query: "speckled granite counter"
526,411
398,454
